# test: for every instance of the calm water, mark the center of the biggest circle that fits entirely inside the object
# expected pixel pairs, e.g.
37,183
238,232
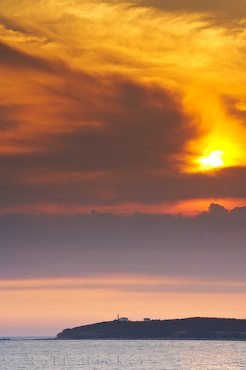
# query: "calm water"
114,355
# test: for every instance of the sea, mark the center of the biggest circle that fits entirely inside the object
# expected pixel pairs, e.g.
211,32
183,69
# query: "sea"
48,354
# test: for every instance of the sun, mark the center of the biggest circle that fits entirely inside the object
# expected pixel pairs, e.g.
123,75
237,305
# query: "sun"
213,160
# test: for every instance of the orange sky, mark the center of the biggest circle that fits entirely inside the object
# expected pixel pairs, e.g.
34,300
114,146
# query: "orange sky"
46,307
98,72
114,114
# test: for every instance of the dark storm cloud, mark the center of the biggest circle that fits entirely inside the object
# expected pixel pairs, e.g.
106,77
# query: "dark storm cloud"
119,128
211,245
139,127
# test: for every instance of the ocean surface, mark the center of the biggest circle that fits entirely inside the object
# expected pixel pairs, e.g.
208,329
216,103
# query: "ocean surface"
19,354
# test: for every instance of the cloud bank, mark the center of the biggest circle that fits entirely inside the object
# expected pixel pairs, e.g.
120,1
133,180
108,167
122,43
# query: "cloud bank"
208,246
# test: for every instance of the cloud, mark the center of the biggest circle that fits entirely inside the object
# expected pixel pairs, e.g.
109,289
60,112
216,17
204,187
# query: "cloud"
106,244
134,284
142,126
123,127
12,58
38,189
7,118
218,8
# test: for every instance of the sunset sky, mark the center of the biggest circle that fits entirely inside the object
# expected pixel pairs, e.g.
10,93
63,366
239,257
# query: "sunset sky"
122,158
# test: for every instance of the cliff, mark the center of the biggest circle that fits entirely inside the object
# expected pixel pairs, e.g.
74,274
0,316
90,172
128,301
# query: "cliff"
191,328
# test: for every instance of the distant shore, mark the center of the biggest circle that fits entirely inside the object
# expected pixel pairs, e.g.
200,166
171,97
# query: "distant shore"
178,329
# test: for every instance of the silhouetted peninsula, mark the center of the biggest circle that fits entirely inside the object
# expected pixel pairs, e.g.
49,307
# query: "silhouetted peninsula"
190,328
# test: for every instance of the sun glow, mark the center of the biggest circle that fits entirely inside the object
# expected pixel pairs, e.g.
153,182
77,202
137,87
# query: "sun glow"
213,160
